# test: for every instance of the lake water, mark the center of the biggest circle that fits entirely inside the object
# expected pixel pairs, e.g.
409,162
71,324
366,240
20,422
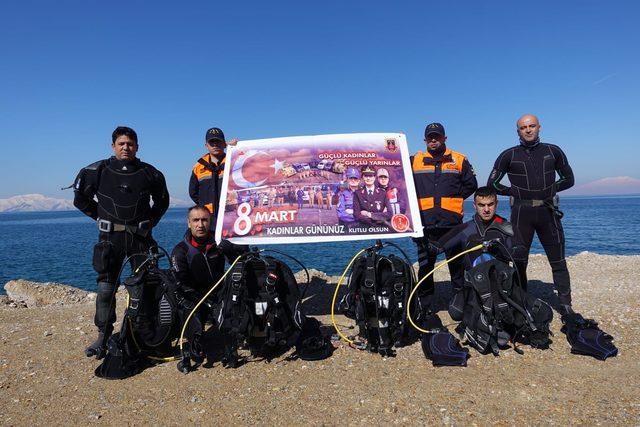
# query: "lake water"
57,246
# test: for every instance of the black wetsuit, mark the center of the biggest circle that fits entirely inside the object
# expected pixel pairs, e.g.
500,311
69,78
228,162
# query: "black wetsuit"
124,190
532,169
199,264
505,241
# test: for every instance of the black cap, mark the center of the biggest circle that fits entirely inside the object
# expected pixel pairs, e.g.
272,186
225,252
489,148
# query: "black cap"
434,128
214,133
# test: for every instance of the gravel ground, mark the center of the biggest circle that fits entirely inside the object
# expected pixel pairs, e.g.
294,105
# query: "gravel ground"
44,376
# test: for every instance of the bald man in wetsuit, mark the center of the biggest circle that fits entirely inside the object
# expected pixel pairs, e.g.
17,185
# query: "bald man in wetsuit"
537,171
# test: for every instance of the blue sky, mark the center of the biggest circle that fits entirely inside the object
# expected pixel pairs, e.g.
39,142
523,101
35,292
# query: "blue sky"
73,70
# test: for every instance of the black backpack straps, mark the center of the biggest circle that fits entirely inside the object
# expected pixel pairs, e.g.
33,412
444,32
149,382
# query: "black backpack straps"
237,312
237,281
482,285
370,273
270,280
400,289
204,163
400,279
498,285
505,302
135,289
213,168
480,322
356,276
277,318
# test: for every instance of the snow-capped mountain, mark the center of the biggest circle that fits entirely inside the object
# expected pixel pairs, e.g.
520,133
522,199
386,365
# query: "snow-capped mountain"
179,203
41,203
617,185
34,203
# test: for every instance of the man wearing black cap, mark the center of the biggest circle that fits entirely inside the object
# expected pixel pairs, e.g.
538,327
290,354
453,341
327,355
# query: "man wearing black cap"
205,185
443,179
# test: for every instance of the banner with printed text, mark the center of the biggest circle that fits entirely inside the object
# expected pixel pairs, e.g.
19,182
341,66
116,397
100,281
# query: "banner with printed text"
320,188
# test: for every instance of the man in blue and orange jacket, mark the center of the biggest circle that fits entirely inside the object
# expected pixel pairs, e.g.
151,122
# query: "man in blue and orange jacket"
205,184
443,179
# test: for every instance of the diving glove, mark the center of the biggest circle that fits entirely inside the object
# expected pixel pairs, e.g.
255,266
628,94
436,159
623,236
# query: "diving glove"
586,338
443,349
439,346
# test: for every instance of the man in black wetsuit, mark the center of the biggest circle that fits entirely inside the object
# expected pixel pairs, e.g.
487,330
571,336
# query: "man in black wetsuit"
532,167
199,264
124,187
503,240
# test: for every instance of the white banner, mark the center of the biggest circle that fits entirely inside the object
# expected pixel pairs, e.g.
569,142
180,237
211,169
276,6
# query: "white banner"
321,188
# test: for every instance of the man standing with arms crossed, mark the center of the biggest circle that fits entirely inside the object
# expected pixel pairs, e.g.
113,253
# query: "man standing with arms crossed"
124,187
443,179
532,167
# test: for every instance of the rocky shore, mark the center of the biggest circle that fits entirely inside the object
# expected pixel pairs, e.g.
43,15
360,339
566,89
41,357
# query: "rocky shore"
45,378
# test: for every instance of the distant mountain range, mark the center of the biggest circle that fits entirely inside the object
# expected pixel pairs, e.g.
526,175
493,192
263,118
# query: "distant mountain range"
613,186
39,202
33,203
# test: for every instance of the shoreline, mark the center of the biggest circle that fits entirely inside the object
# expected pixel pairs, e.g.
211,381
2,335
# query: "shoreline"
300,276
44,375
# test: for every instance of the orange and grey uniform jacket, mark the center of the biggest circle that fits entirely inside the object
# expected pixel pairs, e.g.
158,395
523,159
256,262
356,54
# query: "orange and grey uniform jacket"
205,185
442,183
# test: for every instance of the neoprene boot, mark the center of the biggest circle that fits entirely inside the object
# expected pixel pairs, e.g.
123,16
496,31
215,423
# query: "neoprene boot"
562,281
565,310
197,352
98,348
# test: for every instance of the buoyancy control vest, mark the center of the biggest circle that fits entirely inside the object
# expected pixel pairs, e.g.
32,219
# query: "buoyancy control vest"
495,310
150,322
152,312
378,290
260,306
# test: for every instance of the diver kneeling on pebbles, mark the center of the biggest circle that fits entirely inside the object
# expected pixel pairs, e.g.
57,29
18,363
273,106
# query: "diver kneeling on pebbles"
493,306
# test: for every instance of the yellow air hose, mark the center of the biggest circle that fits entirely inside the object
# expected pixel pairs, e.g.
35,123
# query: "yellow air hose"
440,265
335,295
184,327
133,336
